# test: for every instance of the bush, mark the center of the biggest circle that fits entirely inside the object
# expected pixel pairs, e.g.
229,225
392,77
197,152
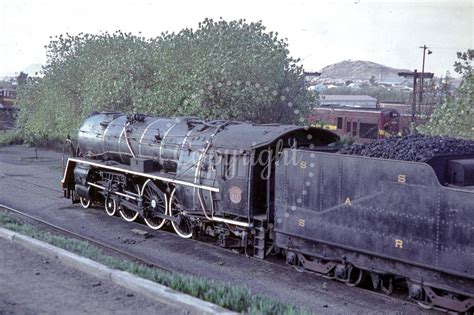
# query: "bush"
10,137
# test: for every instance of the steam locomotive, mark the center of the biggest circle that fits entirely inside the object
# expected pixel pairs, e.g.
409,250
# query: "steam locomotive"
282,188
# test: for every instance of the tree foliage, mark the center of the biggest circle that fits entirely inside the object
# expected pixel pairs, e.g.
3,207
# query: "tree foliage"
22,78
222,70
456,117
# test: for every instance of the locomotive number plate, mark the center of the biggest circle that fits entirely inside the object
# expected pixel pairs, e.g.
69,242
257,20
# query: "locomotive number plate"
235,194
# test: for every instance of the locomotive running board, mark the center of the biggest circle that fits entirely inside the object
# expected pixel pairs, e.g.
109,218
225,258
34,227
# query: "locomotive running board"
70,161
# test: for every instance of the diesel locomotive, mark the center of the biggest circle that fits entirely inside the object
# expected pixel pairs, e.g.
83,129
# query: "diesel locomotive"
363,125
283,189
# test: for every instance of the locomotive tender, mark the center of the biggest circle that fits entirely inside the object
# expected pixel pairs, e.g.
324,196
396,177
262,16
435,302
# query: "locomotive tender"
281,188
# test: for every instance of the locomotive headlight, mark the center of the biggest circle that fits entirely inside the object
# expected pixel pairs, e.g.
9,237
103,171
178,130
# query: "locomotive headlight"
235,194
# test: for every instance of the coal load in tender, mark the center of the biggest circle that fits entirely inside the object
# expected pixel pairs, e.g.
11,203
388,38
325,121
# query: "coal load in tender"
417,148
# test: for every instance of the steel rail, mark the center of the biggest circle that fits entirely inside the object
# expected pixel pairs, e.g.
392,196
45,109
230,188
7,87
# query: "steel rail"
97,243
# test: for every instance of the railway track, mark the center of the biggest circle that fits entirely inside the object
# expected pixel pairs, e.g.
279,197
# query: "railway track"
106,247
138,259
145,261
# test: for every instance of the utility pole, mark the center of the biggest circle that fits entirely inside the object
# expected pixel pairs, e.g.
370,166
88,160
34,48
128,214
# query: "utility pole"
424,47
416,75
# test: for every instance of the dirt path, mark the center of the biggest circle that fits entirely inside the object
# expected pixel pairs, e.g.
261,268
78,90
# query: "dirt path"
33,284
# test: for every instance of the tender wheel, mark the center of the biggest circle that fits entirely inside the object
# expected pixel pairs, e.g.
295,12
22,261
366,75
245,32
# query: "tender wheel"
424,301
299,267
85,203
110,206
425,305
356,277
183,225
154,201
129,215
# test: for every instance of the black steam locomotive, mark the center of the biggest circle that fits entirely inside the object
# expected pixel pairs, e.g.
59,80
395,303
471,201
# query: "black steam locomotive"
281,188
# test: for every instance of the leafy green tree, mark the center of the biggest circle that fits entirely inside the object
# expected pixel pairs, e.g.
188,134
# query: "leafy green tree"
22,78
446,88
229,70
372,80
222,70
456,117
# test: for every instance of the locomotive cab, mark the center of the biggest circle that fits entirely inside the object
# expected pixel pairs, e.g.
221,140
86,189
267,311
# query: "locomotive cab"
246,167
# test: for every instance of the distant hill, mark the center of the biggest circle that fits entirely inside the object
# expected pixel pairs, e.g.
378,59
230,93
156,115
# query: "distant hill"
33,70
359,70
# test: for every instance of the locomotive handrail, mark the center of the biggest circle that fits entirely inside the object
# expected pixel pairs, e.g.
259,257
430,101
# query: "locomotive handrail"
127,140
128,171
71,147
197,174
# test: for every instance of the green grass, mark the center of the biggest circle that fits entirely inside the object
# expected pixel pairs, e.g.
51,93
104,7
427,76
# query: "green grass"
36,159
235,298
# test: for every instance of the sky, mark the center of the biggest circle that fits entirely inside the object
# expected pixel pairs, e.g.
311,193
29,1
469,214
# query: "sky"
319,32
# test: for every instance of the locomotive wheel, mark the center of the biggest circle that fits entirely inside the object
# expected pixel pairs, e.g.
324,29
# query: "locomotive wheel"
110,206
154,200
85,203
183,227
129,215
